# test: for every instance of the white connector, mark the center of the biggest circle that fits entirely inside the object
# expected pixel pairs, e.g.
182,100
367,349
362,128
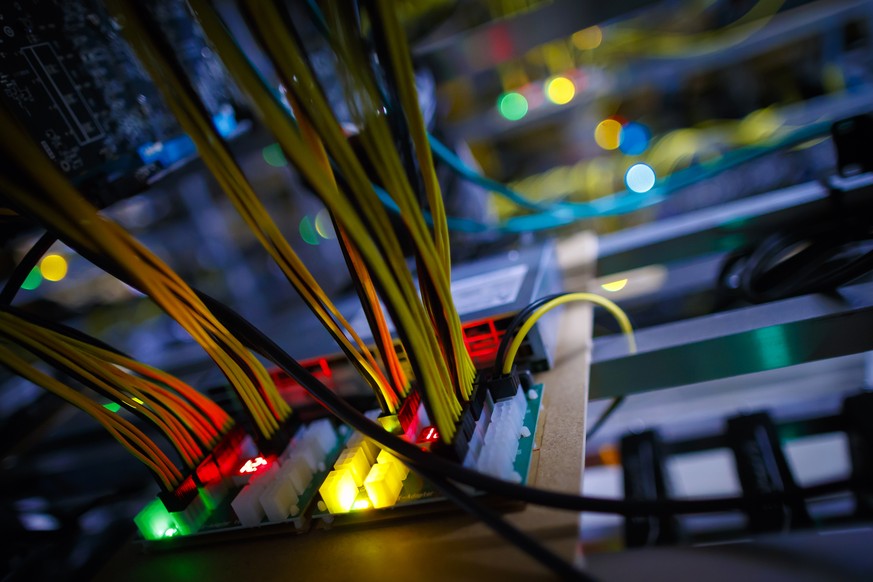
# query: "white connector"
247,504
501,424
278,498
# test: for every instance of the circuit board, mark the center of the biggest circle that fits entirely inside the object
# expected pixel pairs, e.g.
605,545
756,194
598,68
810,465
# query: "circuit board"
417,496
220,514
159,529
71,79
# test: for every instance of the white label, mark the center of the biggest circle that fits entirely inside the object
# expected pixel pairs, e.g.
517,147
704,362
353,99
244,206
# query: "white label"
488,290
471,294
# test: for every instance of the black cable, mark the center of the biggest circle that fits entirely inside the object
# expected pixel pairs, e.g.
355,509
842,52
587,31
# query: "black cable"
25,266
514,326
797,263
605,415
503,528
429,464
260,343
415,457
60,328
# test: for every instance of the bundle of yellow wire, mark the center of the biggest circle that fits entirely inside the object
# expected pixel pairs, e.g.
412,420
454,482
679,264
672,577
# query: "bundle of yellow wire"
38,189
429,326
191,422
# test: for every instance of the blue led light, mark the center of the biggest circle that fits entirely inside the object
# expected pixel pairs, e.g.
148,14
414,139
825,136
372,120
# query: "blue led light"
168,152
640,178
225,121
634,138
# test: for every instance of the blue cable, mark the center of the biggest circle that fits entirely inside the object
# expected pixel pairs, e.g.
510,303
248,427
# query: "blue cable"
563,213
552,215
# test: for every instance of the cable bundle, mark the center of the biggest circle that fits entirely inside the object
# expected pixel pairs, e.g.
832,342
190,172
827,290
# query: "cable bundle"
191,422
33,186
183,100
314,141
429,328
427,323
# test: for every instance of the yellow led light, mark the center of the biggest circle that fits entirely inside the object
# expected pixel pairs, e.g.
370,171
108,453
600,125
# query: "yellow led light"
386,458
560,90
382,485
53,267
361,503
355,460
339,491
614,286
607,134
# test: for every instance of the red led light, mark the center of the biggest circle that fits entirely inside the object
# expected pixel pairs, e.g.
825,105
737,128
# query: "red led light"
428,435
253,465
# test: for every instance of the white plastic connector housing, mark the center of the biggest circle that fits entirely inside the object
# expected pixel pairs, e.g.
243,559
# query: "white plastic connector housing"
278,498
322,431
247,504
299,473
494,443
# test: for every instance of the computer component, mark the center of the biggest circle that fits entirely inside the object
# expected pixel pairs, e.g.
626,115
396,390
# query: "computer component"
335,475
71,78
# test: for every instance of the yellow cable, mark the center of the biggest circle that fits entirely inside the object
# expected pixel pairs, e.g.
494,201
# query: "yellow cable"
63,209
202,416
364,103
108,378
122,430
614,309
184,103
366,220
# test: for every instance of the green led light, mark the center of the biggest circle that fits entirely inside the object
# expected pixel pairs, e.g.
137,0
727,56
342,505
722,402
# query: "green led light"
513,106
307,231
112,406
34,278
154,521
170,532
274,155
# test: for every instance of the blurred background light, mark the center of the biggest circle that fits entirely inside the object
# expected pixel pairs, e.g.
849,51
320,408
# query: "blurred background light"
607,133
274,156
53,267
308,232
640,178
560,90
33,280
513,106
588,38
634,138
324,225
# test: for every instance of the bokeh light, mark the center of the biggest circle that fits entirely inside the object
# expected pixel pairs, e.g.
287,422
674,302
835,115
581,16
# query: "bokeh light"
33,279
607,133
513,106
560,90
274,156
615,286
53,267
324,225
634,138
640,178
307,231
